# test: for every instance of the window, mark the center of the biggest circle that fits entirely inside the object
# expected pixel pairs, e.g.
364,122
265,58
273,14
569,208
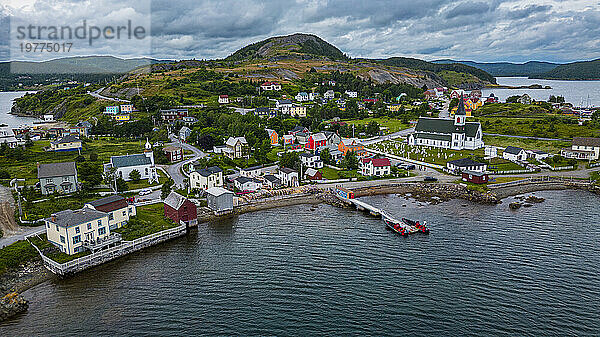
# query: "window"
124,213
48,225
48,181
111,217
89,225
99,222
77,229
77,239
101,231
57,228
62,239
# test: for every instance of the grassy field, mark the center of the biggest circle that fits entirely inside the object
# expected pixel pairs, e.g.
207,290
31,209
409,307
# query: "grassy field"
42,243
333,174
149,219
559,128
426,154
16,254
40,210
394,125
104,148
528,144
500,180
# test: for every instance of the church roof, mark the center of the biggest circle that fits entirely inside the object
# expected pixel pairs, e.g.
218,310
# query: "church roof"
461,107
445,126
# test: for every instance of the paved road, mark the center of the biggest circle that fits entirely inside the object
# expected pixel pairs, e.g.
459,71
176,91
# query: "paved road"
97,95
18,235
583,173
526,137
175,169
445,113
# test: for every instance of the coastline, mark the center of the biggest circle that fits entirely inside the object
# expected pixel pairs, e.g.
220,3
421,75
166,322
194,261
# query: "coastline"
34,273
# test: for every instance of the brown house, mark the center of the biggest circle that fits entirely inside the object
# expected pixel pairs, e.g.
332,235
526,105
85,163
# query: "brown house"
180,209
173,153
475,177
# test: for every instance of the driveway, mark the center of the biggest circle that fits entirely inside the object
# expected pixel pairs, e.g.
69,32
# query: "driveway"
97,95
401,133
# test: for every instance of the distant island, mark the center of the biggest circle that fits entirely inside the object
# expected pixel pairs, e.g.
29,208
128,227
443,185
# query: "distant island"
584,70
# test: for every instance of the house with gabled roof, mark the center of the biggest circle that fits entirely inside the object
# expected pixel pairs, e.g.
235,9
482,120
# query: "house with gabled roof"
316,141
465,164
284,106
514,154
237,147
180,209
586,148
302,97
455,134
57,177
66,143
119,210
203,179
378,167
141,162
76,231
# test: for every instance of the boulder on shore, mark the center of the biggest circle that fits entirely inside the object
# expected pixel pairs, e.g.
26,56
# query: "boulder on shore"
11,305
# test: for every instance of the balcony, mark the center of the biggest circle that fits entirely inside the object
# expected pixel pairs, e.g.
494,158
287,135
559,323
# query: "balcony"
114,239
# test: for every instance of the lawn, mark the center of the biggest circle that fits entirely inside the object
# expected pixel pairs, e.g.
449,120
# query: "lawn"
501,180
149,219
548,127
25,166
500,164
429,155
528,144
394,125
42,243
143,183
39,210
16,254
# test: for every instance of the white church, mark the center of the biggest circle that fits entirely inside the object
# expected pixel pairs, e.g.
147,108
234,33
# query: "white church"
447,133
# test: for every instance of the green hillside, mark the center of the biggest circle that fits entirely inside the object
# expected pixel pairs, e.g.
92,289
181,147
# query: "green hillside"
586,70
437,68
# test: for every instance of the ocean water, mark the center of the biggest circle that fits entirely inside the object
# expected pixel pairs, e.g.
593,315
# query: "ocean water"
575,92
484,270
6,102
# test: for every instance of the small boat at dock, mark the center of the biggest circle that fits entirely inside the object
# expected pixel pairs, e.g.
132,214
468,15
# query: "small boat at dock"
396,227
422,227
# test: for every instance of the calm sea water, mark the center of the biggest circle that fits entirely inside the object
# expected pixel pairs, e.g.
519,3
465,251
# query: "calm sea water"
6,102
484,270
575,92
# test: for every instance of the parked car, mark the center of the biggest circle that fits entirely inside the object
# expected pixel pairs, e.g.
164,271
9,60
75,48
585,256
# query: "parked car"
145,191
430,179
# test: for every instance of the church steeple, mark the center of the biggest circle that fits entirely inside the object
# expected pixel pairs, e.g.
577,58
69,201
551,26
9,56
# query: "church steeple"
460,117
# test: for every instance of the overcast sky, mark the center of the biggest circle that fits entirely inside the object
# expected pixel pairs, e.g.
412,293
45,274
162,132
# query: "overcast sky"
478,30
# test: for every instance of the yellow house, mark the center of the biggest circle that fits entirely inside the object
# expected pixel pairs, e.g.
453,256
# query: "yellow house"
121,118
394,107
67,143
298,111
75,231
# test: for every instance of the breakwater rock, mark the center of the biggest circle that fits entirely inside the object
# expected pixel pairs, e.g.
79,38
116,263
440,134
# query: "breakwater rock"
431,193
12,304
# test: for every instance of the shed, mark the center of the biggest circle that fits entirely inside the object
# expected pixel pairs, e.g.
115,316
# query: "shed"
180,209
475,177
220,200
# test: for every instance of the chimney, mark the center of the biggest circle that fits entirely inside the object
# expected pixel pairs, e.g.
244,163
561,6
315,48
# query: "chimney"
53,218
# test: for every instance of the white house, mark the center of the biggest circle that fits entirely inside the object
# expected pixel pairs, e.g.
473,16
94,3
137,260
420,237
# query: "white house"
7,136
465,164
251,172
184,133
236,147
378,167
514,154
491,152
288,177
271,181
223,99
311,160
268,86
537,154
247,184
351,94
284,106
124,165
329,94
313,95
206,178
302,97
583,148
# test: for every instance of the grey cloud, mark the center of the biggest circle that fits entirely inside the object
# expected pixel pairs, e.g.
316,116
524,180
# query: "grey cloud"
528,11
468,8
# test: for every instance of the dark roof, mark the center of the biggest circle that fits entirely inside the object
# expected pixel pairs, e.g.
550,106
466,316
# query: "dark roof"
464,162
586,141
434,136
243,180
308,155
252,168
285,101
286,170
205,172
57,170
130,160
513,150
262,109
68,218
66,139
109,203
461,107
273,179
298,128
445,126
475,173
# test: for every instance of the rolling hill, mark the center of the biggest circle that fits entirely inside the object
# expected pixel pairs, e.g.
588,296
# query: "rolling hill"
585,70
507,68
81,65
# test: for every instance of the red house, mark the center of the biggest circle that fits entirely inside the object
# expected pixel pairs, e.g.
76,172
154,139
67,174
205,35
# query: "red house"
173,153
180,209
475,177
313,174
316,141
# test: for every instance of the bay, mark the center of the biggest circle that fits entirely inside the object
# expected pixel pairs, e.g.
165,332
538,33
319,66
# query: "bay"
484,270
575,92
6,101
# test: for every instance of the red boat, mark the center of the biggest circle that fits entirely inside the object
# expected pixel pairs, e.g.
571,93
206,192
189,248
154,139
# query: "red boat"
396,227
422,227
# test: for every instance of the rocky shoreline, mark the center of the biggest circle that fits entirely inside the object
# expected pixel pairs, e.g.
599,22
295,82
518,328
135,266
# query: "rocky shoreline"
16,281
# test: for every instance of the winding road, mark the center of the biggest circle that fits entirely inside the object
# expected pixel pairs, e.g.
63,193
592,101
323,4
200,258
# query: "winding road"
175,169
